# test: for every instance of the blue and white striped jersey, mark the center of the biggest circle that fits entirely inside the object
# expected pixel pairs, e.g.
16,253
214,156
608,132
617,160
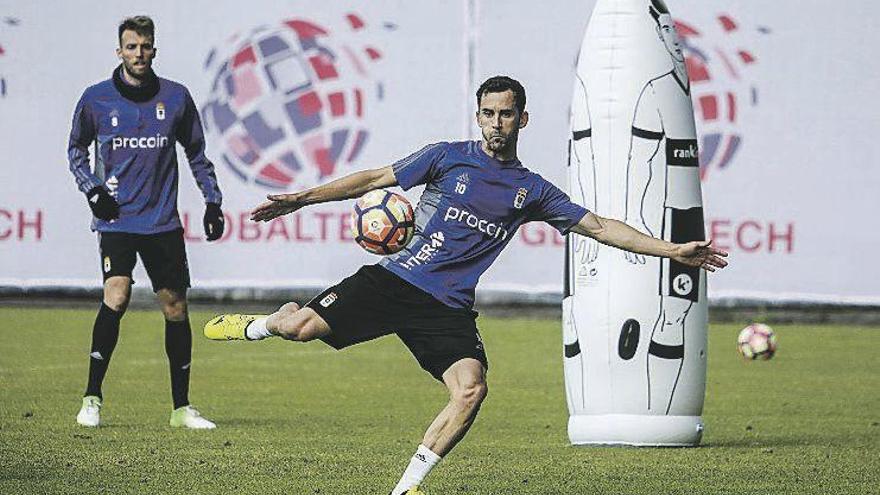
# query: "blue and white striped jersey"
470,210
135,155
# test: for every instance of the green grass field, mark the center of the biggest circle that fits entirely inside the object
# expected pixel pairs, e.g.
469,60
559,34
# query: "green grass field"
303,419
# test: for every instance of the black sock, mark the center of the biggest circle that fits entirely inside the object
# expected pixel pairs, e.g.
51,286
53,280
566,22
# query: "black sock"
104,336
178,347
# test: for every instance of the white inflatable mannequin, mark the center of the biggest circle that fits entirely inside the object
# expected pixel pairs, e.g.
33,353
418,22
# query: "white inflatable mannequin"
634,328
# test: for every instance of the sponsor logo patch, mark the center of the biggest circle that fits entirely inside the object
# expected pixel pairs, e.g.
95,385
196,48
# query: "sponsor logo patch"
682,152
426,252
143,142
683,284
328,300
463,216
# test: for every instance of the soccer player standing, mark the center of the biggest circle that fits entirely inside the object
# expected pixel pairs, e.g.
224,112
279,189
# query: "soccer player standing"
477,195
134,119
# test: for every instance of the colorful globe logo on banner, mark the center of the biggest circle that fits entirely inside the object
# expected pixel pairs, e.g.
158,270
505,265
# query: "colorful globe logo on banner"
287,102
720,88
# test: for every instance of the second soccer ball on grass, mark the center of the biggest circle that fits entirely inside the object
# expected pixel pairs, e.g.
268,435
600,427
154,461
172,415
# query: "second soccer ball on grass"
382,222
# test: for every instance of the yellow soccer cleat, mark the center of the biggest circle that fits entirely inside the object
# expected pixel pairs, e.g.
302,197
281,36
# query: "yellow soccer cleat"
229,327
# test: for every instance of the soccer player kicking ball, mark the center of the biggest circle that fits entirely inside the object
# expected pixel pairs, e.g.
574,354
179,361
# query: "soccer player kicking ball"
134,118
477,195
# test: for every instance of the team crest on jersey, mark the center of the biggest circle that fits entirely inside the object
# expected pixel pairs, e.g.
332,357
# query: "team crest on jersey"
160,111
114,118
113,186
328,300
462,182
107,264
520,198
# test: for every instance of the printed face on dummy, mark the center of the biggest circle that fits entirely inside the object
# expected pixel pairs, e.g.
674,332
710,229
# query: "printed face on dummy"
666,31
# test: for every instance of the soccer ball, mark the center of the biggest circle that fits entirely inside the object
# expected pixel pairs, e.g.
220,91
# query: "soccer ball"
382,222
756,341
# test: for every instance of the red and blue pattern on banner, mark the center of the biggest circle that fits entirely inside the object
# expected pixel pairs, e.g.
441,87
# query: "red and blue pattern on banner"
289,101
720,88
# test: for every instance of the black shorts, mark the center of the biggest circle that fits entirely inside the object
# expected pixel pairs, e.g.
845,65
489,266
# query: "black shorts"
374,302
163,256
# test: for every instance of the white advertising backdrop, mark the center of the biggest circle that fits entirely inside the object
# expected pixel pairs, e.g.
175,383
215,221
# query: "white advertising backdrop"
783,103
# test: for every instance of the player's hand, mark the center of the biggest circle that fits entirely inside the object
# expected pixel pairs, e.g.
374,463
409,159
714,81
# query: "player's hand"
701,254
214,222
278,205
103,205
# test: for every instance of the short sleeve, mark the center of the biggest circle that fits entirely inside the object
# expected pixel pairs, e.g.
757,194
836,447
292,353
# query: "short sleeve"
420,167
556,208
580,113
646,122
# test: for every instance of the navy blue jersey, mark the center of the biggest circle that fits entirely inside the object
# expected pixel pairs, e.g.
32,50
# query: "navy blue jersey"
135,155
470,210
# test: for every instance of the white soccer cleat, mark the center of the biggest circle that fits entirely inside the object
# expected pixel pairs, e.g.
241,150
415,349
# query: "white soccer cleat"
90,412
190,417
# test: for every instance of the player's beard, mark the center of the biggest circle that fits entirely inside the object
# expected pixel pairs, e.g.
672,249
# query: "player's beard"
497,142
141,73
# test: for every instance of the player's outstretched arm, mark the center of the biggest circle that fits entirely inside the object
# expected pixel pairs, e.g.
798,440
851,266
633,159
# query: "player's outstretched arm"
350,186
620,235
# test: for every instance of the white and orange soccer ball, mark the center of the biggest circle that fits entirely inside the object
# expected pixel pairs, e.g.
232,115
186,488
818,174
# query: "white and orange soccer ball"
756,341
382,222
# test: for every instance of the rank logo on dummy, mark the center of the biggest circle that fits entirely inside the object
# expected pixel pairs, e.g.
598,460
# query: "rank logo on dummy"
288,100
719,66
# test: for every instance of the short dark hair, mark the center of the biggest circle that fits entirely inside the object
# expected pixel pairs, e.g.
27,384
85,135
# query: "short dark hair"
140,24
657,8
500,84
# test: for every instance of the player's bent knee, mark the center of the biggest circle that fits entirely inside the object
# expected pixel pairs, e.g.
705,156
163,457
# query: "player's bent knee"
471,395
290,307
303,325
